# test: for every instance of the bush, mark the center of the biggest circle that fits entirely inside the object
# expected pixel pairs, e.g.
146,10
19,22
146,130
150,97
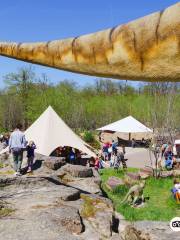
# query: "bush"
88,137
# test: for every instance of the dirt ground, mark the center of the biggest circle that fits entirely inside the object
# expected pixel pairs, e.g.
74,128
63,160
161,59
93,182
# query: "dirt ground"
139,157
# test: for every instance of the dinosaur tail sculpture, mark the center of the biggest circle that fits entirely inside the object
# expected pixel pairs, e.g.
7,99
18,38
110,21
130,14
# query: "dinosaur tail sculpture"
145,49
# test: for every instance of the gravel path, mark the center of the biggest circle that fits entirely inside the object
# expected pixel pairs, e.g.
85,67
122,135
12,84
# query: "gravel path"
138,157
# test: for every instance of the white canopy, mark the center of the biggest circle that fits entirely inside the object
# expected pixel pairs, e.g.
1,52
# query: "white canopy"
126,125
49,131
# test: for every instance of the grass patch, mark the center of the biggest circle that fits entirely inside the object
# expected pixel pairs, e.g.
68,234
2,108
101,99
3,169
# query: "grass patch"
8,172
4,210
161,206
1,165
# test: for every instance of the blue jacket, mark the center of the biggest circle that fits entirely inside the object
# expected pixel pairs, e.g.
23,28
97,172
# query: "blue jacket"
17,140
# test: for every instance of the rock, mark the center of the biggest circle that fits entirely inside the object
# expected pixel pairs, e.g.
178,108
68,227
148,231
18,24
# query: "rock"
129,181
86,185
54,163
145,173
147,170
113,182
116,237
157,230
45,209
131,233
176,173
98,213
78,170
39,207
165,174
69,218
97,178
70,195
134,176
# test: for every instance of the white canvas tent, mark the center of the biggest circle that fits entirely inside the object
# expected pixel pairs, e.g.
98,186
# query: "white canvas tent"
126,125
49,131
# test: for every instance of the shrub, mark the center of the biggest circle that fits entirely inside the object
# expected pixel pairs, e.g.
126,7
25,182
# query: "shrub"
88,137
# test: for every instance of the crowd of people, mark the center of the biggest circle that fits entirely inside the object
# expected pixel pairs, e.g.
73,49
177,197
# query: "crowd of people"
168,155
111,156
72,156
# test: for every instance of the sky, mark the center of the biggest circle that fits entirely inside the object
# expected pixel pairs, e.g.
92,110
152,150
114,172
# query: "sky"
44,20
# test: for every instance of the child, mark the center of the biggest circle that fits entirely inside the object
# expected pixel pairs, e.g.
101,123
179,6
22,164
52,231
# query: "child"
72,156
168,163
30,155
97,163
176,190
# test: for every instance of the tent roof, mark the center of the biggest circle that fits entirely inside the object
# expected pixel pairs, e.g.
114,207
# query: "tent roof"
49,131
126,125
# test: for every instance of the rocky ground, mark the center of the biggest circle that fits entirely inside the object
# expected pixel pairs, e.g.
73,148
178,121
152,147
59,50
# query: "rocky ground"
66,203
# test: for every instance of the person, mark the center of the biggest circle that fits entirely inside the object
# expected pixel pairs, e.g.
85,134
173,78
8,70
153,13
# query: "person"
30,155
114,146
121,159
72,156
163,149
133,143
109,152
78,157
176,190
168,162
113,158
17,143
58,151
97,163
5,140
105,151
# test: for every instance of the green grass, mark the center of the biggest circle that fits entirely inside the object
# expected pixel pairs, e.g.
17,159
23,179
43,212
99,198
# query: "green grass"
1,165
161,206
5,210
8,172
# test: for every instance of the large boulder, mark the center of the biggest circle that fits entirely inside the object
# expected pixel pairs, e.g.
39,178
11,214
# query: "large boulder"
54,163
113,182
157,230
78,171
97,213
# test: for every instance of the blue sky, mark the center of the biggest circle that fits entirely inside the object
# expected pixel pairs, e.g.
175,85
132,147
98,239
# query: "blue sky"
43,20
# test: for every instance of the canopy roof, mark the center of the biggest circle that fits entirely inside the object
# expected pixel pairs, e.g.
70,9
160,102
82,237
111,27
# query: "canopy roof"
49,131
126,125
